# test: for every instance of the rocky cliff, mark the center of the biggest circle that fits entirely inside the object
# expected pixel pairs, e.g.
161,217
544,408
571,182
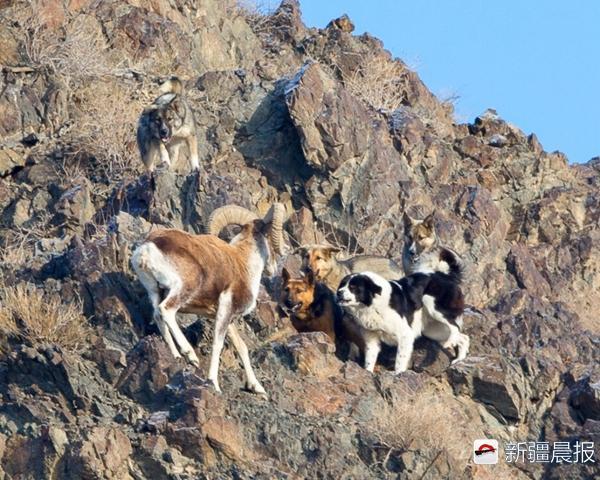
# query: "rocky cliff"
348,139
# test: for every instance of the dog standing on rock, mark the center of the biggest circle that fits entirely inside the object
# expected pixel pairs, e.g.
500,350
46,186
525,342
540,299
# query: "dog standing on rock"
422,250
397,312
165,126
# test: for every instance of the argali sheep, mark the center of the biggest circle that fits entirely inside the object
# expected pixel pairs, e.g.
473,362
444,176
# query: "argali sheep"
322,261
204,275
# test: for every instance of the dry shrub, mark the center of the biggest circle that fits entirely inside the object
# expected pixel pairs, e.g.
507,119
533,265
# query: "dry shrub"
106,117
16,249
27,315
379,82
427,423
258,14
75,53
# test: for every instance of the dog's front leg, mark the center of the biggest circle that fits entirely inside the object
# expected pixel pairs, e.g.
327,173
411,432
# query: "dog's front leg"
372,348
405,349
192,142
164,154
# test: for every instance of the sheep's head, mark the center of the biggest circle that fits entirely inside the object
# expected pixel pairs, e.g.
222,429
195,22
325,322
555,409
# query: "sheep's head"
267,232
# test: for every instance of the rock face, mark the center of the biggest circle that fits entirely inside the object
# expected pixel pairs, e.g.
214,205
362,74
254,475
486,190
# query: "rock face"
287,114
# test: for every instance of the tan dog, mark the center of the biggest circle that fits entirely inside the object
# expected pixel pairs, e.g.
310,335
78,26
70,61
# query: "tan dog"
422,250
323,262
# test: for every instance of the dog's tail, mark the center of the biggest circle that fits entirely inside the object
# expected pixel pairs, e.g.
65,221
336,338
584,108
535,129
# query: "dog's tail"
172,85
455,267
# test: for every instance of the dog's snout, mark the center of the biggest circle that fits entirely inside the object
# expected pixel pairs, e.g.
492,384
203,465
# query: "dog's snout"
339,295
164,132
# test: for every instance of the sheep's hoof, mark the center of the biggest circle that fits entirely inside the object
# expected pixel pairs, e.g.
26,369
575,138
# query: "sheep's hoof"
192,358
215,384
258,389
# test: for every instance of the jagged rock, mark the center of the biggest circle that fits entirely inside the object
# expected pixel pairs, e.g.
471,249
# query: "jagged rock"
103,454
331,123
313,354
279,119
585,397
149,366
9,161
522,266
74,208
493,381
342,23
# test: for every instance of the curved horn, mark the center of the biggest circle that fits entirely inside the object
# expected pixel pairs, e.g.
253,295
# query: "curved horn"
227,215
276,216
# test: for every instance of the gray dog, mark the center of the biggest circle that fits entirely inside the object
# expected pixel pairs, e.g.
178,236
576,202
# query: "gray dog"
165,125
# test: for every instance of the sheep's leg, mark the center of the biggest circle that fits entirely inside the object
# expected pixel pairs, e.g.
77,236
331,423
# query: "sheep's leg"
252,383
169,317
161,324
222,320
151,287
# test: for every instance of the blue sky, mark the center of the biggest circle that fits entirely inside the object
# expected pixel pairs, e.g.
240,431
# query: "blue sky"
536,62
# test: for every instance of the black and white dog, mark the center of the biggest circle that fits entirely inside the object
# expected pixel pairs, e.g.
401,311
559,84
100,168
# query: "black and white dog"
398,312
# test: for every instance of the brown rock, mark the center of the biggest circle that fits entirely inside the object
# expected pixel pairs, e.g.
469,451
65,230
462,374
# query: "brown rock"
103,454
342,23
521,264
316,110
224,435
149,367
493,381
313,354
75,207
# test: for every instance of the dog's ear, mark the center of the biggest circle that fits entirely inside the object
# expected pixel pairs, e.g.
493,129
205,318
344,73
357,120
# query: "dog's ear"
310,278
407,220
331,251
178,106
428,221
285,276
302,251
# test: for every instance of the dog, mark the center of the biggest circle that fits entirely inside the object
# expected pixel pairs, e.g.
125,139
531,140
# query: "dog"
422,251
312,307
323,262
397,312
165,126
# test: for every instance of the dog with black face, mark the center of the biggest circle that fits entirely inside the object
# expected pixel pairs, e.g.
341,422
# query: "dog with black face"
165,126
312,307
397,312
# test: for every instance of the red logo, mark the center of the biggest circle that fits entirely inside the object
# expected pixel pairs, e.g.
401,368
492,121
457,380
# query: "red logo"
485,448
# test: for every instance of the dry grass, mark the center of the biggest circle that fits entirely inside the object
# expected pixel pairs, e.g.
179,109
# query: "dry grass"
379,82
27,315
102,104
258,14
16,249
425,422
75,54
106,117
